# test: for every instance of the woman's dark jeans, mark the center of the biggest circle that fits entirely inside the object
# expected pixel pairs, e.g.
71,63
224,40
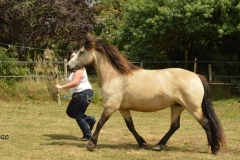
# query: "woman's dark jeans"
76,109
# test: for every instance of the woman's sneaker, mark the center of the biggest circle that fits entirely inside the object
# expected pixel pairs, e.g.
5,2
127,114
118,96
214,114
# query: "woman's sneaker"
84,139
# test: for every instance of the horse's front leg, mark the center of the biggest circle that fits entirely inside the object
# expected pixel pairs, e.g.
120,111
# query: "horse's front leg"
128,119
107,112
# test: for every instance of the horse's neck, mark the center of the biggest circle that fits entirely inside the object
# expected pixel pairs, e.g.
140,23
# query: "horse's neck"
104,69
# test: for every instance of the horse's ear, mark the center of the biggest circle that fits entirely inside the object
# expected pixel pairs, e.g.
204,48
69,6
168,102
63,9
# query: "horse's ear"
92,38
89,41
89,35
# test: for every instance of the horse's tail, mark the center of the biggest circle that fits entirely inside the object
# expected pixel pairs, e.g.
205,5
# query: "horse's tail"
218,137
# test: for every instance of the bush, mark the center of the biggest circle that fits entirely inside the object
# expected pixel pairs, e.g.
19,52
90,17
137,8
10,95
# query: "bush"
10,66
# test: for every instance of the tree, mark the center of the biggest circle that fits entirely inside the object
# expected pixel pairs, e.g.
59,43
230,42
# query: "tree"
179,30
108,18
60,24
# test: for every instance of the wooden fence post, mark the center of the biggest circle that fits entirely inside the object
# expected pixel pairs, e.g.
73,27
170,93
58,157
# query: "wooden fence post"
210,73
56,79
65,69
141,64
195,65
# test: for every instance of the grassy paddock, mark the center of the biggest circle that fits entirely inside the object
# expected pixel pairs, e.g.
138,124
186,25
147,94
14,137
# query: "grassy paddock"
41,130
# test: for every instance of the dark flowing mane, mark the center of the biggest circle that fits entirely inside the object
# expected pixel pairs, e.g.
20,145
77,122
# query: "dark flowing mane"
117,60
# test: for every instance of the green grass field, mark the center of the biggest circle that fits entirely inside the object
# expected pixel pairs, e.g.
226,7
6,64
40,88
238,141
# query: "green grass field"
42,130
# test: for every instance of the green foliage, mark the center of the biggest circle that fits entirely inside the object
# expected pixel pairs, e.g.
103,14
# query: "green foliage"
139,38
9,65
107,19
178,30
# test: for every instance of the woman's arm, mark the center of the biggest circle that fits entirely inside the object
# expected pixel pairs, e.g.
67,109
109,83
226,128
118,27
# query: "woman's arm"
76,80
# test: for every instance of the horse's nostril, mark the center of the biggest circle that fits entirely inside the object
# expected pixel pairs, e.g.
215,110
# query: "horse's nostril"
69,69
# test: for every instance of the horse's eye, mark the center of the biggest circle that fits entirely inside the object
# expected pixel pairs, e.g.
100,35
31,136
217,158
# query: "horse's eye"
81,52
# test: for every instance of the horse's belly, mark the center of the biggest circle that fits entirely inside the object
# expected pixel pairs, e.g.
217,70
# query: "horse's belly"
145,105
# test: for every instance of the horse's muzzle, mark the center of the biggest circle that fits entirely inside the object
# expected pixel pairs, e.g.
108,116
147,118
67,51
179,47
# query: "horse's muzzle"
70,69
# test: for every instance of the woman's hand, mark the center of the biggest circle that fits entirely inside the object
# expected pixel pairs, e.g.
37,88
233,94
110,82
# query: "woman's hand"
58,86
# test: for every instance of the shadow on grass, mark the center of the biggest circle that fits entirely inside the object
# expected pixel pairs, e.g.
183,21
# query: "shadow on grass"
83,144
61,137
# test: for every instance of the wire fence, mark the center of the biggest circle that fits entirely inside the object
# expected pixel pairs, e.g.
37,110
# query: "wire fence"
231,71
232,68
40,77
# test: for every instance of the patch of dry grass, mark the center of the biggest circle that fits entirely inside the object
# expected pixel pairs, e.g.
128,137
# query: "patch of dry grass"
41,130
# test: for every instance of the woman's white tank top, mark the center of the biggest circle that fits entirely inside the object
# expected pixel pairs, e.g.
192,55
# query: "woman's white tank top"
83,85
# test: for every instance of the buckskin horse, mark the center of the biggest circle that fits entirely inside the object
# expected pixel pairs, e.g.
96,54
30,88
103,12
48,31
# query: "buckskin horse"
128,87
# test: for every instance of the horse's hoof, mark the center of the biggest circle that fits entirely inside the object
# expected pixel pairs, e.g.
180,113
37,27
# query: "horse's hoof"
143,146
215,152
90,145
158,147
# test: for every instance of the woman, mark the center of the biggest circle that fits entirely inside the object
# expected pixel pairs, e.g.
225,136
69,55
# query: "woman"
82,93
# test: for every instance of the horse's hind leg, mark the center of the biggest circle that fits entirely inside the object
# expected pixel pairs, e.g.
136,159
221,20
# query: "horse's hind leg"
128,119
204,122
176,111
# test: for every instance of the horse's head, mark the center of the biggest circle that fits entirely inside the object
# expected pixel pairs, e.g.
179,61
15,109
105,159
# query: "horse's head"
82,59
